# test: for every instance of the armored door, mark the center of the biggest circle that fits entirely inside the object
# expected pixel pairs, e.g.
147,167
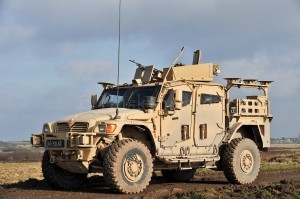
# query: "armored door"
209,117
176,122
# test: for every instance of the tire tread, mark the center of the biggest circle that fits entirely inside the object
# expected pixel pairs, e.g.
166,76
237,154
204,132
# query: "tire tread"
110,166
228,161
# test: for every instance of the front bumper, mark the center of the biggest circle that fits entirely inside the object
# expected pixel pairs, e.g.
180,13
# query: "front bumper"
65,141
71,151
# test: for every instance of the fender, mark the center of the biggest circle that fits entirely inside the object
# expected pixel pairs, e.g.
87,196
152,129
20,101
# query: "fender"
232,130
141,133
247,130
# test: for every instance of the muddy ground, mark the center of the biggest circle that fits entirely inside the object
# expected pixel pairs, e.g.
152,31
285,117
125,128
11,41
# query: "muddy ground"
160,188
269,184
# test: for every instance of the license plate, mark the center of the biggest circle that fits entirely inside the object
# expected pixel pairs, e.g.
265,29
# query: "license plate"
55,143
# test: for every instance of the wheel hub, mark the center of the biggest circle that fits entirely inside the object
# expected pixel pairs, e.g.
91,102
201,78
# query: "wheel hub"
246,161
133,167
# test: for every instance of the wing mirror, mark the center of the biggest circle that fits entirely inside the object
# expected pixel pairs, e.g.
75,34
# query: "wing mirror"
168,103
178,99
94,101
149,102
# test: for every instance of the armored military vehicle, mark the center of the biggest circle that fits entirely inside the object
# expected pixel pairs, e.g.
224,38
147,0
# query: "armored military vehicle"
175,120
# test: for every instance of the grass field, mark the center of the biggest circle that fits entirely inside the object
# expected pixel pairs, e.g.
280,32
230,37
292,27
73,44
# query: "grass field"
290,146
18,172
285,147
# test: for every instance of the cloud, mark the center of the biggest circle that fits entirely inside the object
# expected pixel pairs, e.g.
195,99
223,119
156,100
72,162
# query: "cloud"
71,19
13,36
283,69
68,19
223,29
84,70
53,52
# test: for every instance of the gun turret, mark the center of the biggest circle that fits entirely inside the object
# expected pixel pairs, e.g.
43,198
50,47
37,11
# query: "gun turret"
139,65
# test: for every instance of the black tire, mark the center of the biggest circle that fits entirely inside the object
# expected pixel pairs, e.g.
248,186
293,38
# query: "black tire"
128,166
179,175
59,178
241,161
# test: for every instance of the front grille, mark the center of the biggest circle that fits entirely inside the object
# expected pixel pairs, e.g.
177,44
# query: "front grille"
80,127
63,127
76,127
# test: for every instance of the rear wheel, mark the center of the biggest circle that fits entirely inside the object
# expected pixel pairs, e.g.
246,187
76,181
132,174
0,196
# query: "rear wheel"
58,177
128,166
241,161
179,175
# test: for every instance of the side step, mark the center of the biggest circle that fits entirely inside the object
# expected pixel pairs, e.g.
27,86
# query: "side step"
185,162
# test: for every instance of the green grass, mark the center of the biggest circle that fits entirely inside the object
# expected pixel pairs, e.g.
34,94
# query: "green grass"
267,166
285,147
207,171
282,164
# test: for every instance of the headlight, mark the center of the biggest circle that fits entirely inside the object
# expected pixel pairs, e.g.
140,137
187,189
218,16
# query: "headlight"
107,128
102,127
46,128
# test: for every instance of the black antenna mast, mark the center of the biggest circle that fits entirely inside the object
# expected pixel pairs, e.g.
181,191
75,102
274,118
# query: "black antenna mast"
119,47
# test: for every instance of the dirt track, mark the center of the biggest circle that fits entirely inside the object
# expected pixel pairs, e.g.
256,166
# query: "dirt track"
280,183
159,187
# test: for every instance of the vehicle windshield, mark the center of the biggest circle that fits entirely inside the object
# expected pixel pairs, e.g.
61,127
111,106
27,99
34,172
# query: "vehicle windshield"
130,97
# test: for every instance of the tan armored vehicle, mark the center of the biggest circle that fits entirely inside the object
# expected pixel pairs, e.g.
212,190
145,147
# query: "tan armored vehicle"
175,121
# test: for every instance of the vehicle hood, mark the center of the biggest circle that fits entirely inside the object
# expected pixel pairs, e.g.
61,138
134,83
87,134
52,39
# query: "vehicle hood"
99,115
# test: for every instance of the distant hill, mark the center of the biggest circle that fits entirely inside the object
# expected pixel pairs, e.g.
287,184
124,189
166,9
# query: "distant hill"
19,152
284,140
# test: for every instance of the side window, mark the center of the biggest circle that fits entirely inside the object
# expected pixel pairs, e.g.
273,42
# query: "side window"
168,102
186,98
210,99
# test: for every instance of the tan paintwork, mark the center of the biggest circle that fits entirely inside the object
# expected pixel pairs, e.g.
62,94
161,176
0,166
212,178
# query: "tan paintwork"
187,135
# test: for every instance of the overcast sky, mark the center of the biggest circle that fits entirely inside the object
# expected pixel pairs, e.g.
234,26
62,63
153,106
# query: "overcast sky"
53,52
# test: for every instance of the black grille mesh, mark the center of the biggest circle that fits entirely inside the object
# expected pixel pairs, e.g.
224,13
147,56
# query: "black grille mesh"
76,127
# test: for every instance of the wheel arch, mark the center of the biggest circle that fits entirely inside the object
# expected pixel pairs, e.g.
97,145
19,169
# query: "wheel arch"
251,132
140,133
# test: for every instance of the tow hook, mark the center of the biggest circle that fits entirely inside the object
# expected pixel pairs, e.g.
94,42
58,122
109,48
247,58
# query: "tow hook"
52,159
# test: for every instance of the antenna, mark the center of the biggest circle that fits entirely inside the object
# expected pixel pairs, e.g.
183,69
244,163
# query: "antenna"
118,78
178,56
172,65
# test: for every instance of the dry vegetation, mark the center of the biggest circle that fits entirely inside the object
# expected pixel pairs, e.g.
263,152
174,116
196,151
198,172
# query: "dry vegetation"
11,173
19,152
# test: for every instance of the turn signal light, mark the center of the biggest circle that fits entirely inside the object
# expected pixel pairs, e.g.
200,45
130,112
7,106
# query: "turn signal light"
107,128
110,128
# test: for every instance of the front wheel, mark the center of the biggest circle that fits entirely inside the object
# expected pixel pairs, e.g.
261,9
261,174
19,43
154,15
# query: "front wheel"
128,166
241,161
59,178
